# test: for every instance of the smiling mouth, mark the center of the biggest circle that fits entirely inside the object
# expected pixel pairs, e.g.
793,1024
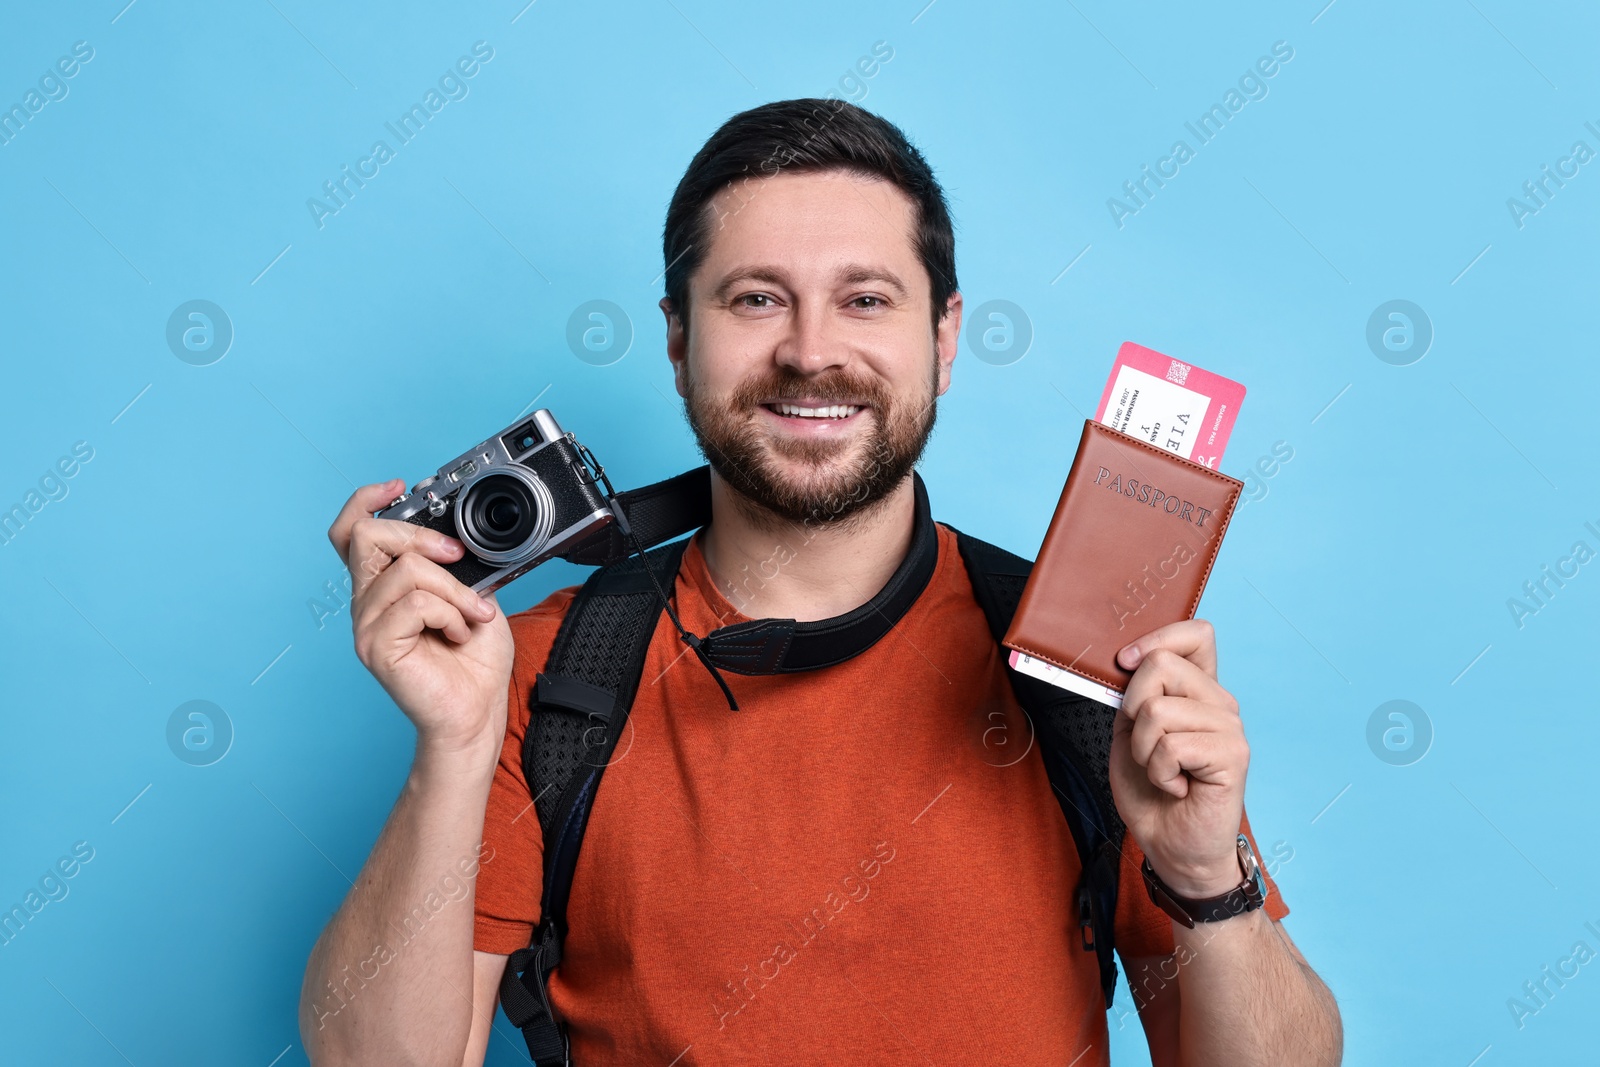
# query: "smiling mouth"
813,411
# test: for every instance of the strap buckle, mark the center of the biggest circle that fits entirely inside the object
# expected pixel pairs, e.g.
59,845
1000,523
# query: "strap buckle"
1086,916
596,473
525,997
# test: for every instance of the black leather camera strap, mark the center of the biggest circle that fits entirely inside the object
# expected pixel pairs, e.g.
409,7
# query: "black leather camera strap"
669,509
783,646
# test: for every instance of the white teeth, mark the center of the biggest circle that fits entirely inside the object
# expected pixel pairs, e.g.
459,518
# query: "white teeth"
833,411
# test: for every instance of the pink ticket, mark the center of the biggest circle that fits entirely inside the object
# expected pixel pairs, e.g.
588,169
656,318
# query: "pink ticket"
1173,405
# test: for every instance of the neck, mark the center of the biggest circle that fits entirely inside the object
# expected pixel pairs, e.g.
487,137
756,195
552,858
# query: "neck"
769,568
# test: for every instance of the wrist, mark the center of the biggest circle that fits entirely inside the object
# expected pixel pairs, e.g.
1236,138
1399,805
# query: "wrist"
1207,906
456,758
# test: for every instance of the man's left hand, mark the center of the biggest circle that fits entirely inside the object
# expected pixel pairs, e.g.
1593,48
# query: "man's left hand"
1178,760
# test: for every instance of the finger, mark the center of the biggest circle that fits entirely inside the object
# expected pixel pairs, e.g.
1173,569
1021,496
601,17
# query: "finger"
376,543
1165,673
412,572
1164,715
413,613
362,503
1178,760
1193,639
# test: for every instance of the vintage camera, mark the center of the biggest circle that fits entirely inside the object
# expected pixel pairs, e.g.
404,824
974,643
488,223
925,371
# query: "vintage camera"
529,493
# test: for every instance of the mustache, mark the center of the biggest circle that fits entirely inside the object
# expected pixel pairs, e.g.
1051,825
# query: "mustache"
836,386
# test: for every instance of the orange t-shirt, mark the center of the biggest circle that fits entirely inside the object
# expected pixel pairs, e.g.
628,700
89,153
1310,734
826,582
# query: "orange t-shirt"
853,867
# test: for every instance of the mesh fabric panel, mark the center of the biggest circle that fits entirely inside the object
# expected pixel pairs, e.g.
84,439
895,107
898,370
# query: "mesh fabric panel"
597,645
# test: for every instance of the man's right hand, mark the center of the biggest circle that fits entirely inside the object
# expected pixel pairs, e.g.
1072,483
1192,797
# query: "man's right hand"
440,650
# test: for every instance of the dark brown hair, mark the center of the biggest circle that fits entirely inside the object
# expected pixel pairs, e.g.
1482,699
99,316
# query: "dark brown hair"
798,137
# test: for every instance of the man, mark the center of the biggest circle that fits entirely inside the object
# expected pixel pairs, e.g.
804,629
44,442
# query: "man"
841,870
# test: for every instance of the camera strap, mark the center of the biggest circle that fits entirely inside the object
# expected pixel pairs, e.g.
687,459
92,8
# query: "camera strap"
653,514
662,510
649,515
693,641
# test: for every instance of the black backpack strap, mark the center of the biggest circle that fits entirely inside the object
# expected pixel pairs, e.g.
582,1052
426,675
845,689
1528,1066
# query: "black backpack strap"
1074,734
578,710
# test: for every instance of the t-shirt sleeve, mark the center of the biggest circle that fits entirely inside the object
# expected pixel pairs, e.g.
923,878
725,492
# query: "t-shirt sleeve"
510,876
1142,928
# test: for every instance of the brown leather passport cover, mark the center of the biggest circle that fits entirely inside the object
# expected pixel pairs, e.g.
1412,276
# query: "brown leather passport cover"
1129,549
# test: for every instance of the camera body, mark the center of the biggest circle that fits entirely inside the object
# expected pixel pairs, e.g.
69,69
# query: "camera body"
529,493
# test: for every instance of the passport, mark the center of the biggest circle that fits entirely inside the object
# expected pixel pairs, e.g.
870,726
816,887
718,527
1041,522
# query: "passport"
1130,547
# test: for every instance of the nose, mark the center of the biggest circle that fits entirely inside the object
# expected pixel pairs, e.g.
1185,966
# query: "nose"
809,345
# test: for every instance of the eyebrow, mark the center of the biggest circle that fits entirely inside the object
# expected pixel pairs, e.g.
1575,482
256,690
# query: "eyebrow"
850,274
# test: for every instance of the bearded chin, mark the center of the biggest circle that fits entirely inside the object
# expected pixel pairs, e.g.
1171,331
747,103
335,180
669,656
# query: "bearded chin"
837,479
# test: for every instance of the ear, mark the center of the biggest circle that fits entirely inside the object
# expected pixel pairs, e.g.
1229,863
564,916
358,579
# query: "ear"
677,345
947,339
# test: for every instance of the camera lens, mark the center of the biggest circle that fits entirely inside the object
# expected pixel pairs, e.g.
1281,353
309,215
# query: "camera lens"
502,513
505,516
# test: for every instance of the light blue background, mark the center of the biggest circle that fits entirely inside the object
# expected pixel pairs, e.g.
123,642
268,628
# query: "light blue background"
432,309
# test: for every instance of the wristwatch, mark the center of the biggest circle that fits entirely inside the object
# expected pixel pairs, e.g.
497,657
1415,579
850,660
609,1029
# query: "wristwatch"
1248,896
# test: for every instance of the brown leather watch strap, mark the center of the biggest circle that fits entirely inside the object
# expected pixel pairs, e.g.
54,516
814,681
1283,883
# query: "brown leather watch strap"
1247,896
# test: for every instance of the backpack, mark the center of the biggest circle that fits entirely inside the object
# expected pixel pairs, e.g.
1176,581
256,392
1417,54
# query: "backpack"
580,704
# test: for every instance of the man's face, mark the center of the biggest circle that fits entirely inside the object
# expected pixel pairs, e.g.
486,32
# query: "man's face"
812,362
